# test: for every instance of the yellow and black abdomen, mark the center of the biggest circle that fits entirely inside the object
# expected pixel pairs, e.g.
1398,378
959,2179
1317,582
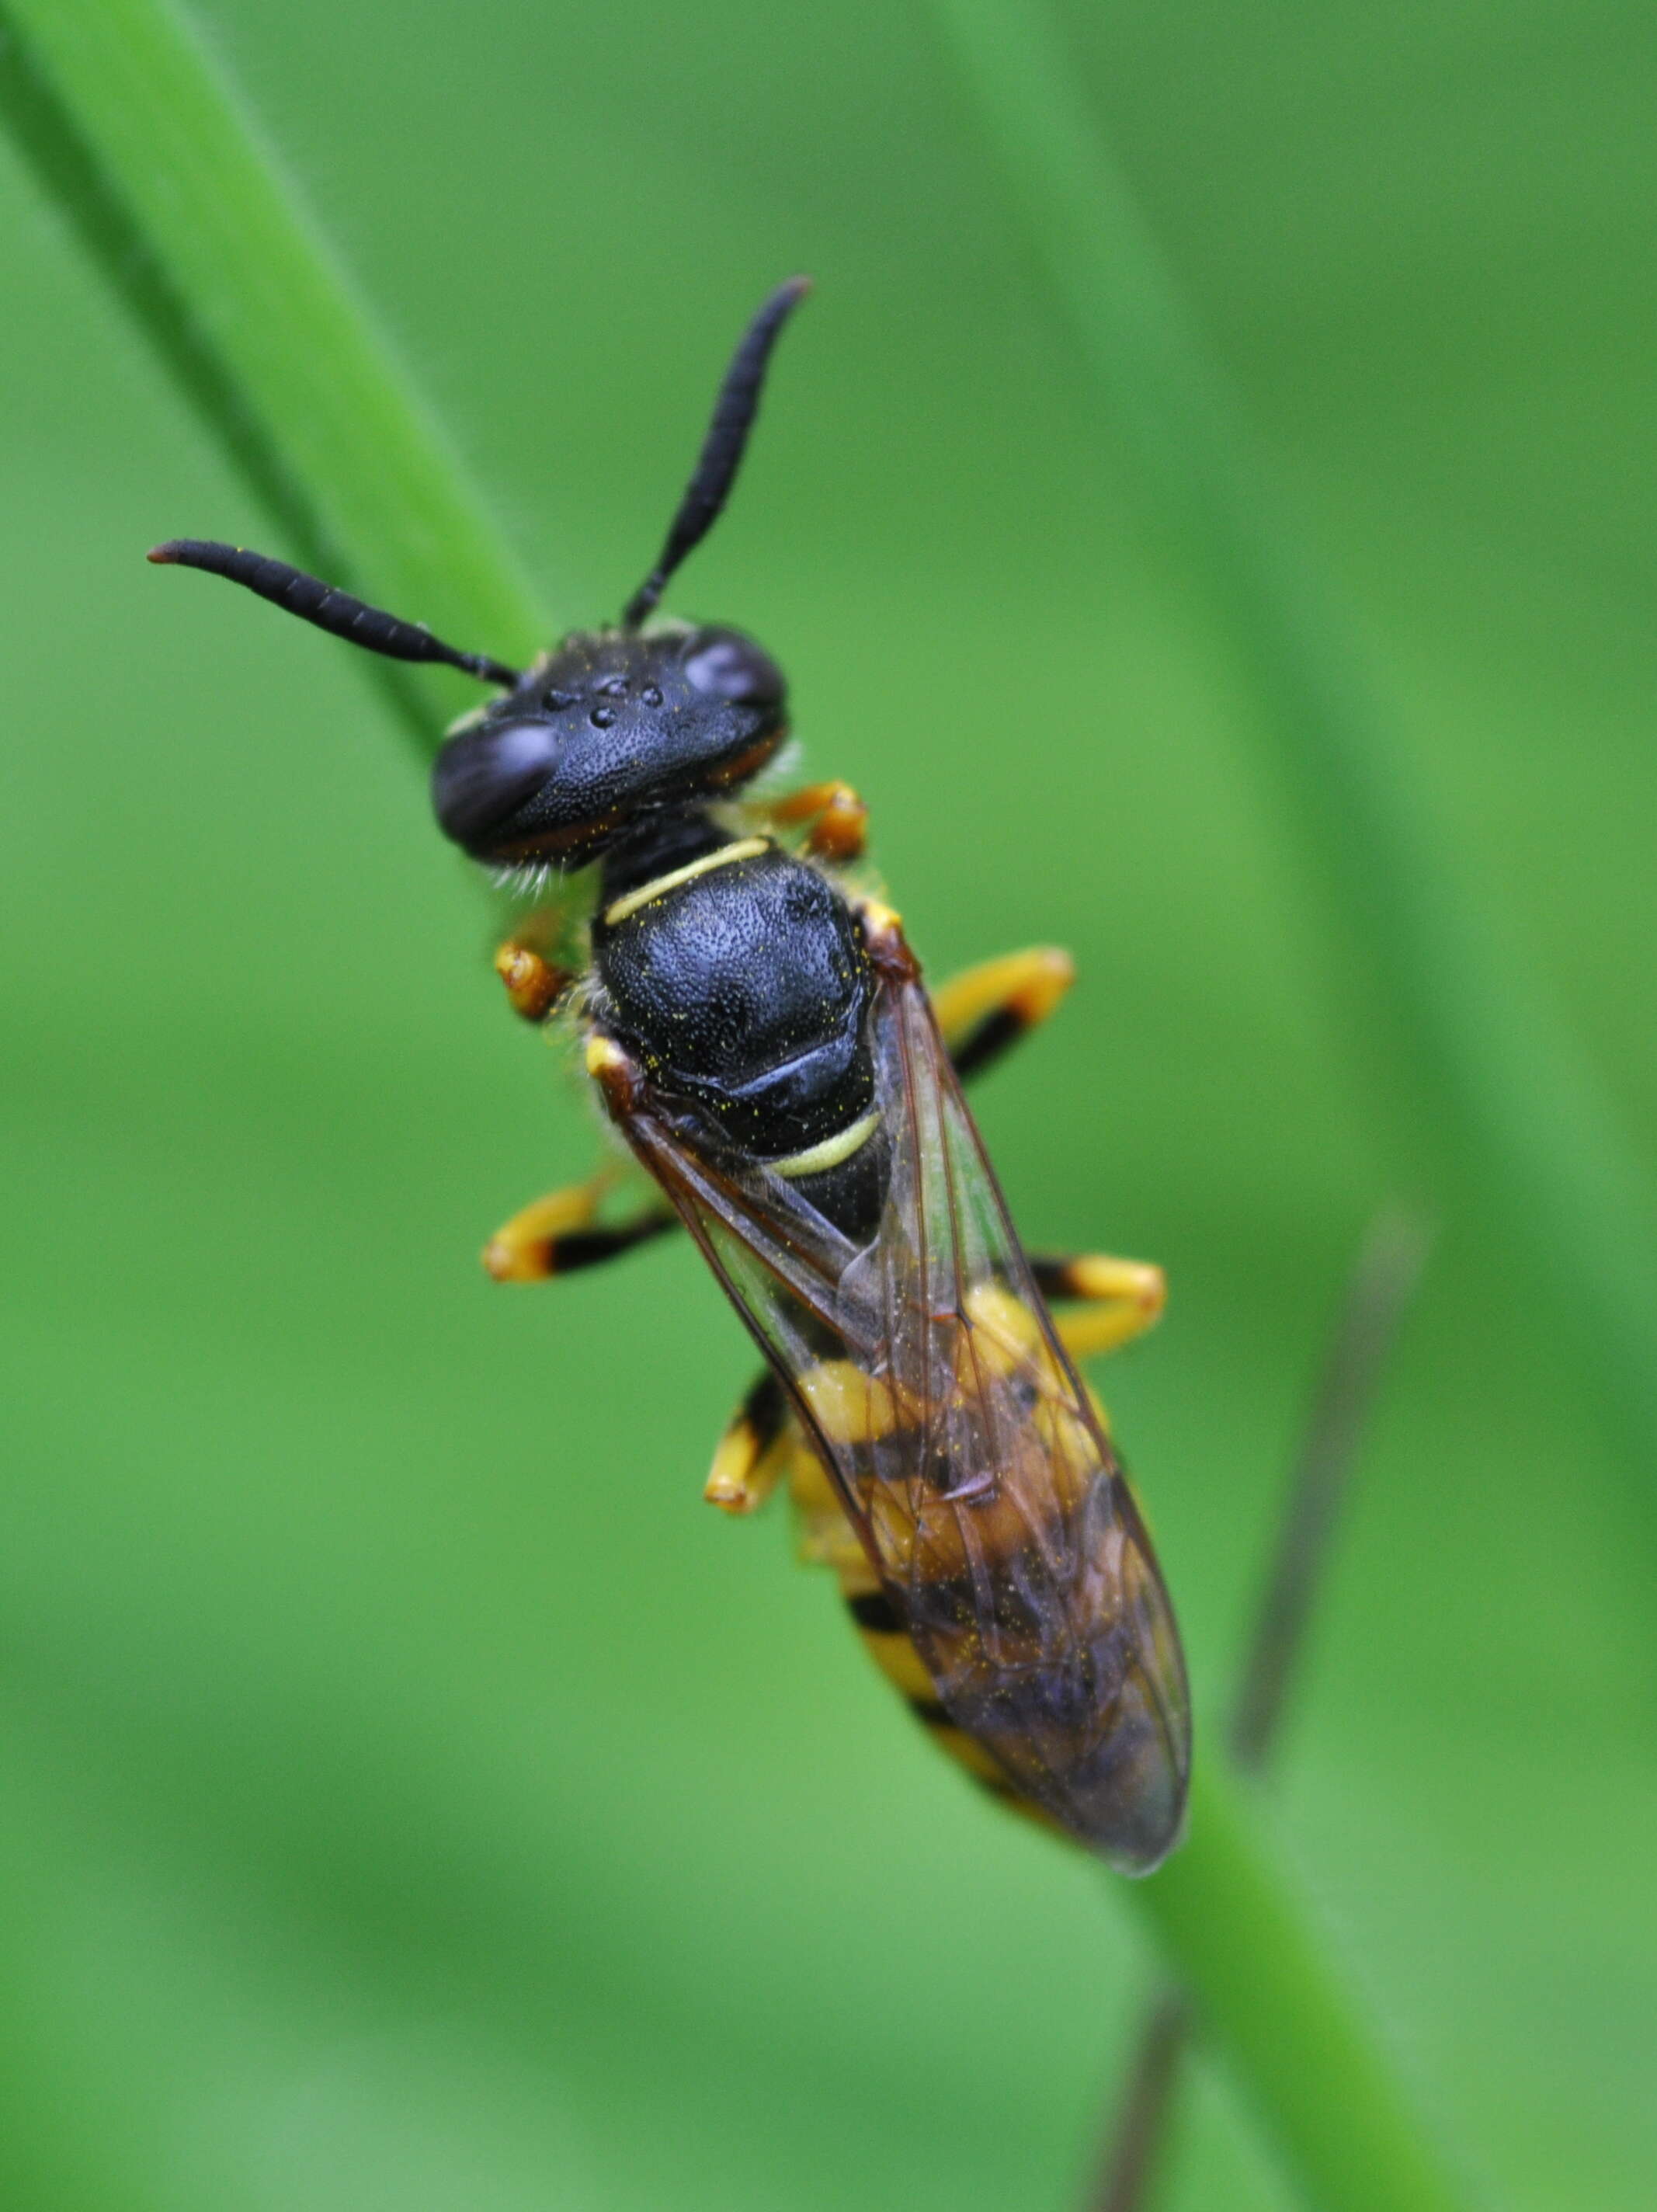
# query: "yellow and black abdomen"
827,1539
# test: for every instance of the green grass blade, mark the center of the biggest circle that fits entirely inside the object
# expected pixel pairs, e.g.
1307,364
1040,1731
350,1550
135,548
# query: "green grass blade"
1242,1945
148,151
1495,1087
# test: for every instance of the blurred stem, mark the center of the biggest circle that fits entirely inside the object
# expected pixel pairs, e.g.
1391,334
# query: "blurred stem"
142,144
165,183
1138,2132
1496,1085
1383,1281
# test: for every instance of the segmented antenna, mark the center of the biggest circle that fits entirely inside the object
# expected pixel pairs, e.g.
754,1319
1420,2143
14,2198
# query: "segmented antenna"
336,612
734,411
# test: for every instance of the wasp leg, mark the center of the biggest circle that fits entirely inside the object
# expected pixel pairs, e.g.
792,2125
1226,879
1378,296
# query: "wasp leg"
839,818
753,1454
533,985
559,1233
984,1012
535,982
1122,1299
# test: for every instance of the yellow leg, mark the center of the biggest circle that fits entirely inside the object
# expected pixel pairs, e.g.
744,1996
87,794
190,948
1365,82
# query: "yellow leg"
753,1455
535,981
1122,1299
559,1233
839,818
984,1012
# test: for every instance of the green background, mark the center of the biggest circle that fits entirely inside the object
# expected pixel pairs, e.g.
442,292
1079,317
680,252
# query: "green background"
410,1796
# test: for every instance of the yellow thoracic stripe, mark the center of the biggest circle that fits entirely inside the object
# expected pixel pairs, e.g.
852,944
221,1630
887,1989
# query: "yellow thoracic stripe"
745,848
831,1151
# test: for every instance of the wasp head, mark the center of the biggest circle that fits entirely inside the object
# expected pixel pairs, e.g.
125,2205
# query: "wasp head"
619,724
616,725
611,727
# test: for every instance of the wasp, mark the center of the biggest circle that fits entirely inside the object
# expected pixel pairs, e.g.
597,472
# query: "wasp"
759,1033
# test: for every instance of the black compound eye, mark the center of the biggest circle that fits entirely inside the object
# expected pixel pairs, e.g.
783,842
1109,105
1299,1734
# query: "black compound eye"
484,775
727,665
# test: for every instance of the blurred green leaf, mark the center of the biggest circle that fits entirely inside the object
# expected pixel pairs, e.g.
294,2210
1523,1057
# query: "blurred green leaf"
186,212
1500,1091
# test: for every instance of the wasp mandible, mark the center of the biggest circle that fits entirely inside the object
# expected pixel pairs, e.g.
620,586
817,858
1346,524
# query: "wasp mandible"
758,1030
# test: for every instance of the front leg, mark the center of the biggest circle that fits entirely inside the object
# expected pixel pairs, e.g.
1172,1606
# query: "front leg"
530,964
839,818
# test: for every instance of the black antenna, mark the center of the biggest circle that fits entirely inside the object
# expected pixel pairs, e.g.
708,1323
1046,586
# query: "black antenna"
336,612
717,463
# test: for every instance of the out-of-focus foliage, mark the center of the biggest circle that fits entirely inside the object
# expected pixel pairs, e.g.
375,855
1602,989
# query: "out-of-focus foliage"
409,1795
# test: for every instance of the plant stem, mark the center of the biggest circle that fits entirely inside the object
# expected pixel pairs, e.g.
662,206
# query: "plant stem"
1139,2129
140,141
1496,1087
1238,1938
1383,1282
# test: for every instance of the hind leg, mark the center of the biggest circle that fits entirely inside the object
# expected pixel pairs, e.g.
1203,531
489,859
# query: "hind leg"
753,1455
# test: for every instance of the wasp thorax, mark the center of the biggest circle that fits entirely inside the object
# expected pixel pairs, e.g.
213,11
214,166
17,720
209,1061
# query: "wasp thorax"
609,727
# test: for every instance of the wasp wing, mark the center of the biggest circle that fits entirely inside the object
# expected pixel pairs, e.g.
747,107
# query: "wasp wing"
968,1457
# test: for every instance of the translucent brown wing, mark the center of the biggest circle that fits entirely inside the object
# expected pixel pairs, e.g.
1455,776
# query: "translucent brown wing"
968,1456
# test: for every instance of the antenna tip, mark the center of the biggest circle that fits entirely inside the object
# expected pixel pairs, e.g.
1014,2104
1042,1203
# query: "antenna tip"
164,557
